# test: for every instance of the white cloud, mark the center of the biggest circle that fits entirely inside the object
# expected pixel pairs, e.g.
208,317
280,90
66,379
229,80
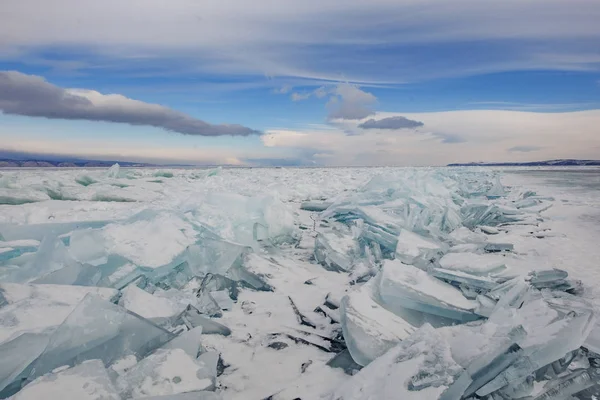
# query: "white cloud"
312,38
350,102
454,136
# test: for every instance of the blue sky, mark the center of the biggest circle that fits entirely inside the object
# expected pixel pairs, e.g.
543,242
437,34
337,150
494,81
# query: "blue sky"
300,79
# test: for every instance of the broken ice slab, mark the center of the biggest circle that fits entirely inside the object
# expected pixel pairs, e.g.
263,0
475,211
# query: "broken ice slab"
39,231
113,171
570,384
201,395
489,230
189,341
344,361
213,282
498,247
21,196
315,206
85,180
16,355
146,305
86,381
548,278
543,347
477,264
477,214
421,361
496,191
37,308
458,277
401,285
417,250
192,318
166,372
369,329
334,251
16,248
387,241
97,329
222,299
464,235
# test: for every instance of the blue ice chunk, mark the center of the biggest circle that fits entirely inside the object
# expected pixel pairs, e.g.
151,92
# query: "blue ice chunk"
39,231
409,287
334,251
543,348
458,277
417,250
192,318
98,329
496,191
316,206
548,278
498,247
15,356
570,384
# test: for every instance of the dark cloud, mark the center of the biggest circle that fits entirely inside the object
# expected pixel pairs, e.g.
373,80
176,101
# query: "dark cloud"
33,96
524,149
391,123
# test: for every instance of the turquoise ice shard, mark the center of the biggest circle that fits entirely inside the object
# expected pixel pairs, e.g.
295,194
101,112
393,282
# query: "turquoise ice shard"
315,206
476,264
496,191
458,277
548,278
98,329
166,372
498,247
544,347
570,384
419,367
401,285
39,231
17,354
189,341
334,251
86,381
369,329
417,250
113,171
201,395
192,318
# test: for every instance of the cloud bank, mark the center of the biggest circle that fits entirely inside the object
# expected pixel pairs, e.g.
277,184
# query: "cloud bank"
33,96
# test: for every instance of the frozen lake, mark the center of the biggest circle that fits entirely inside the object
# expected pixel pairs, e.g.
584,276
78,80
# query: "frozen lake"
246,283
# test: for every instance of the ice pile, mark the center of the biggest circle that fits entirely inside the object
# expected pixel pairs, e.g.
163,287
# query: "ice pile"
188,284
501,331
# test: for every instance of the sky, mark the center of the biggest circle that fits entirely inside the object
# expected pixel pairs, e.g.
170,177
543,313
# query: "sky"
300,83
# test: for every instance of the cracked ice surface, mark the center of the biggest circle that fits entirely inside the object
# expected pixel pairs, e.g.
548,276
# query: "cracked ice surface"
214,284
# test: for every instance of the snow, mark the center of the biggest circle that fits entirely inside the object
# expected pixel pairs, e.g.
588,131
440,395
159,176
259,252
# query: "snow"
134,227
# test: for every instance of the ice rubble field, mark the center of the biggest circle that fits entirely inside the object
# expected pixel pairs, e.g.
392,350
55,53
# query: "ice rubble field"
339,284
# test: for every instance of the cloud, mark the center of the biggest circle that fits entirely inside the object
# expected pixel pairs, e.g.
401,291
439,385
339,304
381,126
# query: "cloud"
525,149
283,90
451,136
33,96
391,123
300,96
350,102
318,93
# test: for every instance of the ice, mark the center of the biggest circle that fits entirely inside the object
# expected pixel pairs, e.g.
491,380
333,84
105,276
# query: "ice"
146,305
477,264
21,196
369,329
458,277
192,318
39,308
335,251
316,206
416,250
206,262
86,381
401,285
420,367
17,354
201,395
498,247
570,384
165,372
113,171
97,329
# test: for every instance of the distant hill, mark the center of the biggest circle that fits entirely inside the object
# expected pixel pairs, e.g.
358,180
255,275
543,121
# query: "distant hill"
549,163
9,163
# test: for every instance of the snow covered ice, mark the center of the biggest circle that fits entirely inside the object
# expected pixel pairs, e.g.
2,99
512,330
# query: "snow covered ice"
281,284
